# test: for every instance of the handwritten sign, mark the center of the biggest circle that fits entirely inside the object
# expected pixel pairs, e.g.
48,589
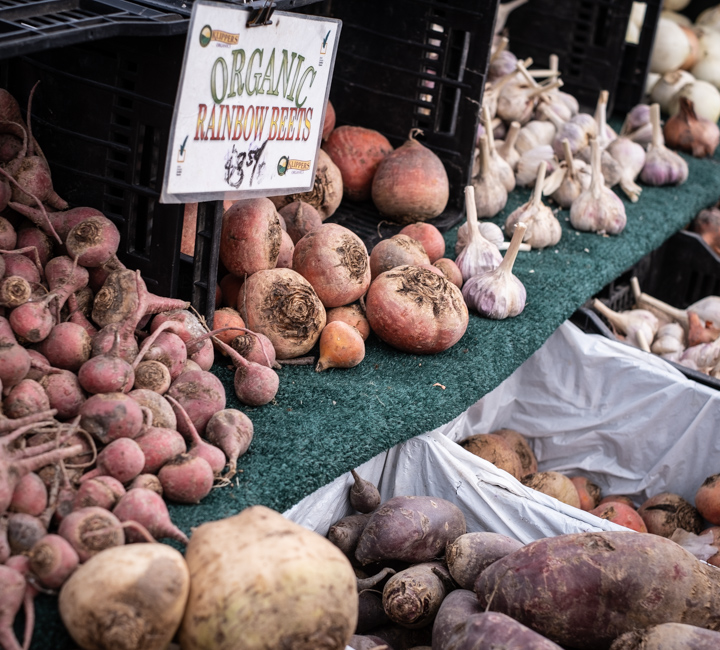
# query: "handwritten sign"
250,105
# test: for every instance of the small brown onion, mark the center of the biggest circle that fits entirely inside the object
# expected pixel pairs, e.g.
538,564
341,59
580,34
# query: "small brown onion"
688,132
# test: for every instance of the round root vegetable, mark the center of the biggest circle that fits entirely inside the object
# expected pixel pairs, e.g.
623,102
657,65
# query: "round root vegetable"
327,192
53,560
227,317
278,567
159,445
411,529
16,263
668,636
357,152
495,630
64,393
14,291
109,416
33,321
416,310
287,250
201,394
617,497
521,447
470,554
14,362
93,241
8,235
586,589
345,533
148,482
341,346
122,459
396,251
232,431
13,594
91,530
665,512
458,606
370,612
134,596
352,315
555,485
35,238
255,347
148,509
369,642
186,479
588,492
198,447
495,450
230,287
255,384
707,499
410,184
169,350
620,514
25,398
429,236
412,597
162,413
152,375
335,262
117,299
30,495
68,346
300,218
364,496
62,221
23,532
328,122
107,373
282,305
251,236
102,491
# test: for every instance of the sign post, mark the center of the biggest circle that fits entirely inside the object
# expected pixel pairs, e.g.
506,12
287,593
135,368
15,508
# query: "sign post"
250,105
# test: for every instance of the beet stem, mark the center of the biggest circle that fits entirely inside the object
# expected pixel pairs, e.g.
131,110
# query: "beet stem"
47,222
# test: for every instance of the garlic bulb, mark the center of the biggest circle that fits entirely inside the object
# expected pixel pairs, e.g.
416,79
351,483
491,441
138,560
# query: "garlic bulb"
516,102
557,105
631,158
535,134
669,85
479,255
704,355
506,148
493,90
569,180
707,309
498,294
612,172
502,62
638,325
492,232
542,228
669,339
490,193
577,131
637,118
504,171
605,132
529,163
662,166
598,209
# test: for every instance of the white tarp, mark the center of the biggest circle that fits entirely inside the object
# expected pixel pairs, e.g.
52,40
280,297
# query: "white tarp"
628,421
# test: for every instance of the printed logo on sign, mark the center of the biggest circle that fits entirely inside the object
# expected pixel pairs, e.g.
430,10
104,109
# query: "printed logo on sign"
208,34
282,165
323,46
182,151
286,163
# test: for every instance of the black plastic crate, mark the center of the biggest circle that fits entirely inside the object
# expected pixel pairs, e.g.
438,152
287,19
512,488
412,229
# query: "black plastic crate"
412,64
589,38
680,272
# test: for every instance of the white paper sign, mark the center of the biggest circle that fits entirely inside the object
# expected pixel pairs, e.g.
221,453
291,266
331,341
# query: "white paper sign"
250,106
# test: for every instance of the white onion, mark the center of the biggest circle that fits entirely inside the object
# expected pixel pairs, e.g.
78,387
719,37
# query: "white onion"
705,98
671,47
650,81
668,86
710,17
709,40
708,70
676,18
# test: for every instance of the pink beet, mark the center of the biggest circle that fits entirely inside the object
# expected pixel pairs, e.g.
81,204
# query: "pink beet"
8,235
64,393
148,482
4,544
232,431
52,561
91,530
67,347
93,241
198,447
25,398
33,321
13,594
255,347
189,327
205,356
77,316
122,459
107,373
109,416
18,264
39,365
14,361
21,564
255,384
30,495
36,238
148,508
101,491
186,479
165,347
159,445
62,221
201,394
24,531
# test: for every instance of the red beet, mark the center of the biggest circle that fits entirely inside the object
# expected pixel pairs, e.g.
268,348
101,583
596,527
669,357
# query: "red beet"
62,221
148,508
93,241
4,544
14,291
101,491
186,479
152,375
67,347
8,235
429,236
21,266
91,530
198,447
205,356
163,415
201,394
147,481
24,531
232,431
25,398
14,361
36,238
300,218
159,445
107,373
64,393
33,321
13,594
255,384
30,495
77,316
255,347
122,459
109,416
52,560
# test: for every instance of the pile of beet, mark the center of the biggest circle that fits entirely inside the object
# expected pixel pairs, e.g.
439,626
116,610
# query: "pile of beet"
107,402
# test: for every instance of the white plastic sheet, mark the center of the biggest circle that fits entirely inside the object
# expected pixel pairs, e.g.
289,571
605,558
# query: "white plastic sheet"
626,420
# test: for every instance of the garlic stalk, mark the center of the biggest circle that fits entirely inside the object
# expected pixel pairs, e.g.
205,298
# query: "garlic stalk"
569,180
498,294
516,102
638,325
506,148
630,156
504,171
638,117
708,309
493,90
542,228
490,194
504,9
479,255
535,134
529,164
612,171
662,166
574,131
598,209
605,134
